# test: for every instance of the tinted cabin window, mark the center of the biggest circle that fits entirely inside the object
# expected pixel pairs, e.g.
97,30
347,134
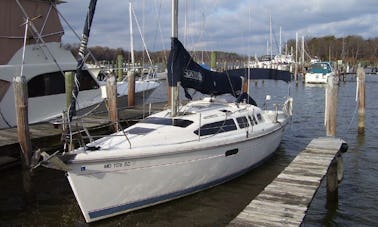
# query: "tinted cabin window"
53,84
168,121
87,82
250,120
4,85
46,84
216,127
259,117
242,121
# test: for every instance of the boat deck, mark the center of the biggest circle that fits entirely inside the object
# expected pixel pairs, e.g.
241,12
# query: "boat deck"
285,201
46,135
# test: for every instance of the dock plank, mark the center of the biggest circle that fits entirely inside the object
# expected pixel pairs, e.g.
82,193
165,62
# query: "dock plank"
285,201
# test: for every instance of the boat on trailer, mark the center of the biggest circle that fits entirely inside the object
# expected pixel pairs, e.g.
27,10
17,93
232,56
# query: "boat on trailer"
178,151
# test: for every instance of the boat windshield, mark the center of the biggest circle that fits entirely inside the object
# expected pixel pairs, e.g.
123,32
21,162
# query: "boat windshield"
320,68
183,123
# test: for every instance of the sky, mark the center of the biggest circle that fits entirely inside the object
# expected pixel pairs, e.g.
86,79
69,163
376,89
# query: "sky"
238,26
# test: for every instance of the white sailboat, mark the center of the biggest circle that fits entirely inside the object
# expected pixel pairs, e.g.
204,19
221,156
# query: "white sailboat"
178,151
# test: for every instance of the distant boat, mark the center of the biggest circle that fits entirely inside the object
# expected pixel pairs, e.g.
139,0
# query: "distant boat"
319,72
46,84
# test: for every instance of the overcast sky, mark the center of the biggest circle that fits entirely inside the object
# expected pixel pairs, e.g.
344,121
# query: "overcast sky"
240,26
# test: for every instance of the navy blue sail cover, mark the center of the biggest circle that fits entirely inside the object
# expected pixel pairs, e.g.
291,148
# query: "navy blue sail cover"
182,68
261,74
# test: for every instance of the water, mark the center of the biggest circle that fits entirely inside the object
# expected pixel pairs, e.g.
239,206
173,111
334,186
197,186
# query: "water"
51,202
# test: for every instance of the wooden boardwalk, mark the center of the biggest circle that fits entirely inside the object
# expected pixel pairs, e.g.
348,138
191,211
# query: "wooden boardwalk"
285,201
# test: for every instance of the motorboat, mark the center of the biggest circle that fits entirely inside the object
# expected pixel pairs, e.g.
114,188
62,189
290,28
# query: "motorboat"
44,68
319,72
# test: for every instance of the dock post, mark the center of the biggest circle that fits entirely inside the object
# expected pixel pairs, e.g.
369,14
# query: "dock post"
120,67
332,184
331,106
111,92
131,88
213,60
69,82
21,102
361,99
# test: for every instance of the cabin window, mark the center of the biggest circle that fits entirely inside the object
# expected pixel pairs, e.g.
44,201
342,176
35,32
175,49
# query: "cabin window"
216,127
242,122
250,120
4,85
87,82
259,117
183,123
54,83
254,120
46,84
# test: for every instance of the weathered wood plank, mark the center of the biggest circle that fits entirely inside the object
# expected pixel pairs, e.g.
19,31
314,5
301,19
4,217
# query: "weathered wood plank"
285,201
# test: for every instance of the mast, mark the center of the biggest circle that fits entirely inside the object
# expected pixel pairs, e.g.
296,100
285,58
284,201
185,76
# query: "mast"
174,95
270,38
131,38
280,50
82,53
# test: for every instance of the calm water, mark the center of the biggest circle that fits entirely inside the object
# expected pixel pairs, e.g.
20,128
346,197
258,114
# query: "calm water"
51,201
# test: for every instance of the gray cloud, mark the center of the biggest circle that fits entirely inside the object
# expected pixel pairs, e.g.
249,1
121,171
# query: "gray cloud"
239,26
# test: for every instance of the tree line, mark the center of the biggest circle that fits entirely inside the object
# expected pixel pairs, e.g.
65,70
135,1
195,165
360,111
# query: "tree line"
351,49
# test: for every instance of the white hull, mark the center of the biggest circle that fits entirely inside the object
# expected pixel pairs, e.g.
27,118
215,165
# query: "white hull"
316,78
319,73
120,179
141,182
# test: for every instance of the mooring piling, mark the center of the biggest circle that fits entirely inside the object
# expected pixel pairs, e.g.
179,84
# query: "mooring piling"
21,105
131,88
331,106
111,93
361,85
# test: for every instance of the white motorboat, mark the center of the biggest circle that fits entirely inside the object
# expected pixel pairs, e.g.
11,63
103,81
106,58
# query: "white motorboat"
44,68
319,72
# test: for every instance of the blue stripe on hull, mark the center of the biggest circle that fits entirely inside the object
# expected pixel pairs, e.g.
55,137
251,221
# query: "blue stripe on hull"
170,196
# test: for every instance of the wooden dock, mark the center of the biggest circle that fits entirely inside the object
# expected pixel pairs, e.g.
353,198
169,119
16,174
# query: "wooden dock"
45,135
285,201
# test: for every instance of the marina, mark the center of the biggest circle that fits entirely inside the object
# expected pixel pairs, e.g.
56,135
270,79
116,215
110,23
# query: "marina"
221,204
260,146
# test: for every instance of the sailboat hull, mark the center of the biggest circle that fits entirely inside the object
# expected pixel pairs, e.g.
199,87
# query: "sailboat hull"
108,187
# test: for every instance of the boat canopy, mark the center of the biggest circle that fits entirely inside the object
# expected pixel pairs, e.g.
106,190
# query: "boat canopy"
182,68
321,67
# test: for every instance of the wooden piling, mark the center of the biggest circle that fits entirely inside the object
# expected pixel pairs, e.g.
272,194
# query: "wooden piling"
361,99
213,60
111,92
331,106
332,183
296,73
69,82
131,88
21,105
120,67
